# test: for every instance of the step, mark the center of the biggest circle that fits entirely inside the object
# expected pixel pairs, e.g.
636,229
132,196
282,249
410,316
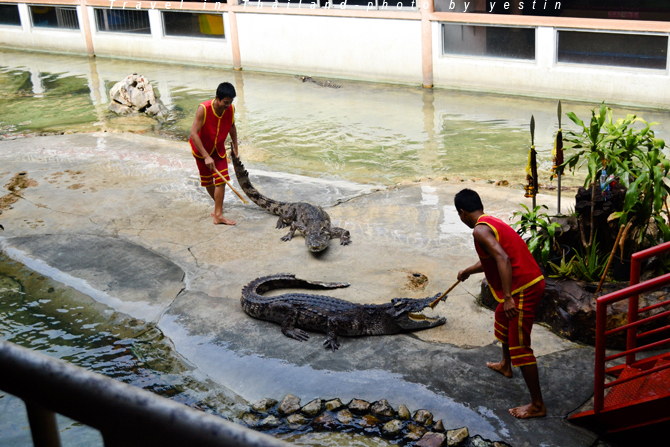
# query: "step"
656,384
625,392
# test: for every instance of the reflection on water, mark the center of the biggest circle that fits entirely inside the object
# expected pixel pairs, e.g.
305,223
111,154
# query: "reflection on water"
364,132
43,315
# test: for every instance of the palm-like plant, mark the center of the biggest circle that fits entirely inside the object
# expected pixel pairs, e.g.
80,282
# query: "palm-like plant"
635,156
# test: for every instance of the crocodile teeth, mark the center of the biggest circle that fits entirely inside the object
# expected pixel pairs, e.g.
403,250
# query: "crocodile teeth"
419,317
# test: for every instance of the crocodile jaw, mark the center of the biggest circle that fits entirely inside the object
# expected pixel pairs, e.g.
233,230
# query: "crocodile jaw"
408,314
414,321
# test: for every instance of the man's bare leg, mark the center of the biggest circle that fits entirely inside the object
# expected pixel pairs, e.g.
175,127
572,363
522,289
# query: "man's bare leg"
210,191
536,406
219,194
504,367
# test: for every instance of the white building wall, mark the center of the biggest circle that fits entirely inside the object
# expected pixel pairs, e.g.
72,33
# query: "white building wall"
156,46
359,48
49,39
379,49
546,77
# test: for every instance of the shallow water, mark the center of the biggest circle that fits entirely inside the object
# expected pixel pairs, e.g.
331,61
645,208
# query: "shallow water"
365,132
44,315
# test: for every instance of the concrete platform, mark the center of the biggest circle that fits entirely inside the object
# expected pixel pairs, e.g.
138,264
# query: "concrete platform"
120,217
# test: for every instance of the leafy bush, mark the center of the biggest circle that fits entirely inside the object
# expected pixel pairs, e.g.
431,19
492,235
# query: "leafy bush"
542,231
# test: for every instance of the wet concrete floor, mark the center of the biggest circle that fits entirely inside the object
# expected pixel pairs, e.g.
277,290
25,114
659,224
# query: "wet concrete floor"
109,208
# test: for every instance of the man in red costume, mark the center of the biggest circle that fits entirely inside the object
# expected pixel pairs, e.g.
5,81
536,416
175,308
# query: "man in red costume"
214,120
516,283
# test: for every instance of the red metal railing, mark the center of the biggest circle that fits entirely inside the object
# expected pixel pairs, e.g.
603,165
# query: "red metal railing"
632,294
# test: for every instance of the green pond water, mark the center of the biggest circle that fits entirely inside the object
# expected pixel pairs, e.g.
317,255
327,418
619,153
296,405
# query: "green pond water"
41,314
365,132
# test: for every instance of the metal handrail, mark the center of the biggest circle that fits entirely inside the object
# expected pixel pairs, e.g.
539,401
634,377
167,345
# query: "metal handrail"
631,293
125,415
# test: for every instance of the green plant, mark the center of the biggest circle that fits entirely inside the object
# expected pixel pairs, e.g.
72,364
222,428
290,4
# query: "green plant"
541,230
564,269
636,157
591,266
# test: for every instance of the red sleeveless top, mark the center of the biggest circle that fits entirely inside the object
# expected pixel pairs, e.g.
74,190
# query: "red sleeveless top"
525,271
214,130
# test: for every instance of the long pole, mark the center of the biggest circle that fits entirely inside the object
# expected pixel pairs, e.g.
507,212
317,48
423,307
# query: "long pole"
231,186
559,154
434,303
533,158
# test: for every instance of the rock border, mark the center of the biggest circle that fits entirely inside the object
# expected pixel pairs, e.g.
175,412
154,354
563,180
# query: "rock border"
376,419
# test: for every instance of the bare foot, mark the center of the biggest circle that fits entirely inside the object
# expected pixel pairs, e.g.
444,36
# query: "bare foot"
528,411
502,368
223,220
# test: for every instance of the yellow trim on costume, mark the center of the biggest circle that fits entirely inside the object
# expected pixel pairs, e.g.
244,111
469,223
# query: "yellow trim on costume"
518,290
493,292
518,347
492,228
527,285
501,332
502,326
519,356
525,364
205,115
488,225
498,338
219,117
233,114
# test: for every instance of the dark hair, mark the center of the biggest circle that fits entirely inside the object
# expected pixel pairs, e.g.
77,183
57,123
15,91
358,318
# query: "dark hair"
225,90
468,200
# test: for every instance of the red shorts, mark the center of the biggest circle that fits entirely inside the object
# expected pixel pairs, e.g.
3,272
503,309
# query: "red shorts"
516,332
209,177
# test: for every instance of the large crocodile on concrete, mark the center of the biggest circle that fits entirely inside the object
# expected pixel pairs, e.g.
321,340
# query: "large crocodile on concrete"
331,315
312,220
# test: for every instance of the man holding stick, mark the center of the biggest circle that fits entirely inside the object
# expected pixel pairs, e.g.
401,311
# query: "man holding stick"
214,120
516,283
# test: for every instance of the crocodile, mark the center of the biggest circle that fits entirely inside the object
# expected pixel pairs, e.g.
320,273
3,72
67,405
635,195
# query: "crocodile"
311,220
331,315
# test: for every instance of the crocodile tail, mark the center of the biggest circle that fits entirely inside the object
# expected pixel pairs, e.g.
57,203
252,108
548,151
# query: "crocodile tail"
285,281
251,192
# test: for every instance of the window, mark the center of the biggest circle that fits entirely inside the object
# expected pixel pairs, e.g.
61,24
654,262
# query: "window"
368,5
624,50
489,41
122,21
54,17
656,10
193,24
9,15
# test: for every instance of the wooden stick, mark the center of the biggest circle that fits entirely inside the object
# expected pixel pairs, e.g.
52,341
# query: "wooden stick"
434,303
231,186
609,261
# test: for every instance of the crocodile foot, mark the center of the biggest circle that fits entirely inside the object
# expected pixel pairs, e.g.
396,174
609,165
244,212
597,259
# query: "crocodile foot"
296,334
332,344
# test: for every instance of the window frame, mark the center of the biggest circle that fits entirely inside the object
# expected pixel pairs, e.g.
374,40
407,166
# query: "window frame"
533,61
658,71
79,28
223,38
116,33
9,25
